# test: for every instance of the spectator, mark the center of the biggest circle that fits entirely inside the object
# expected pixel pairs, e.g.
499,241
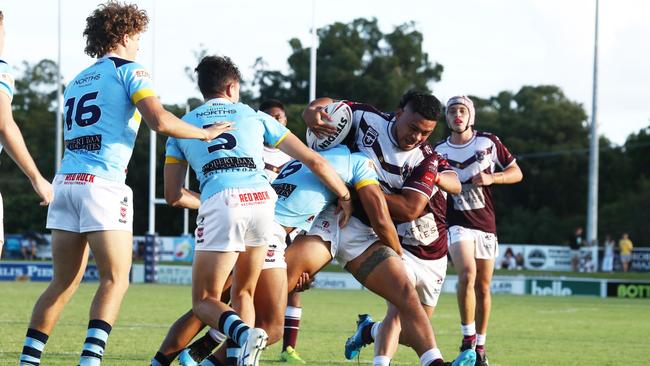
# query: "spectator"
519,260
28,245
509,261
625,246
587,264
608,254
575,242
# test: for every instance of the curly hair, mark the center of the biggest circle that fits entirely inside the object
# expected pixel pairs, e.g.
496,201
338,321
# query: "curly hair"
215,73
427,105
109,23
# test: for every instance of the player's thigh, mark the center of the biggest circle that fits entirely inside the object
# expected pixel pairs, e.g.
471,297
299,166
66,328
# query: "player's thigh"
210,271
462,248
247,269
271,296
382,271
113,251
69,256
307,253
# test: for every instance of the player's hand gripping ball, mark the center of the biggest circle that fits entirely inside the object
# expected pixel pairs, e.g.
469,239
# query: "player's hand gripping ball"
341,118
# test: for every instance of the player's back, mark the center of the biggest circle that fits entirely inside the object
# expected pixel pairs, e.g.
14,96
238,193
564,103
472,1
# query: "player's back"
301,195
100,125
234,159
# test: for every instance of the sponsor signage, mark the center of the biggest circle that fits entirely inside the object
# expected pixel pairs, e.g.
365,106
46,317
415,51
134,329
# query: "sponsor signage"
31,271
628,290
500,285
557,287
336,281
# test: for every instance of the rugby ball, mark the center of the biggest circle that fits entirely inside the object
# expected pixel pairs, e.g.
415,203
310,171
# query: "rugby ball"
341,115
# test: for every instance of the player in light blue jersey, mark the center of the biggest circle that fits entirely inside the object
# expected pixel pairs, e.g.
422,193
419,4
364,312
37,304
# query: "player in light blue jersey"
11,138
236,204
302,196
92,206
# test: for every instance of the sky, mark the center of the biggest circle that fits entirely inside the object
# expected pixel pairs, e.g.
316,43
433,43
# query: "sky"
485,46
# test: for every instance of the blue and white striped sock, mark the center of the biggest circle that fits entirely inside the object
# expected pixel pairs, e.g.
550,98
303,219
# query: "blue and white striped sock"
33,347
232,353
231,325
96,337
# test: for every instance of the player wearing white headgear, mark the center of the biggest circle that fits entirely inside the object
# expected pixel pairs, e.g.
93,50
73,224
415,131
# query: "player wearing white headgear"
470,215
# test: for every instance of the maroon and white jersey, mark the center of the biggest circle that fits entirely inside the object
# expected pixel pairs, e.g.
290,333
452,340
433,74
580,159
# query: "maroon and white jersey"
426,236
274,161
473,207
397,170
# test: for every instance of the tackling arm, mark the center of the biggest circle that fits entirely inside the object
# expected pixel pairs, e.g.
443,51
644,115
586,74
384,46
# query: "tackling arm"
313,114
376,208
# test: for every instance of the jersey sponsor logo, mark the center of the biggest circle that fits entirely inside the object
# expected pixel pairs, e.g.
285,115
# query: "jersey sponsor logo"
421,231
7,78
284,189
79,178
215,112
228,163
87,79
370,136
88,143
141,74
471,197
254,198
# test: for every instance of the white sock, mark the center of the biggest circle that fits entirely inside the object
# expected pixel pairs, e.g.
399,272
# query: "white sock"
374,330
480,339
293,312
469,329
217,335
430,356
381,361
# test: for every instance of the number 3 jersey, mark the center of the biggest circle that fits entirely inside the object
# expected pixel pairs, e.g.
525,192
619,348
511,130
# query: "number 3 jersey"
473,207
234,159
100,125
416,169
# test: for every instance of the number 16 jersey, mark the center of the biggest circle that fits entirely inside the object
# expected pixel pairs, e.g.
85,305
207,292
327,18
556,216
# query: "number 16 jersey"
100,125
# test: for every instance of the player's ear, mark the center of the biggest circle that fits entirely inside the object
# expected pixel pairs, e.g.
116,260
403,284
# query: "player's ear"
399,112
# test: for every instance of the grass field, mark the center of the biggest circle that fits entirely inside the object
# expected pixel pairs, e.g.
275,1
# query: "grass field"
524,330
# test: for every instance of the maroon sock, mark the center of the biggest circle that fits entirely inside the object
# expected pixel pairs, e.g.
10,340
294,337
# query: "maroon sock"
291,328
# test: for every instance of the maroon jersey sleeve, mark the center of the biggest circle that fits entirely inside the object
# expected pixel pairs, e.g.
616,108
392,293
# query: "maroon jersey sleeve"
424,176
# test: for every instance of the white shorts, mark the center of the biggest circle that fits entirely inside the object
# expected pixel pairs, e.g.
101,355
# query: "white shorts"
234,218
426,276
83,203
348,242
277,246
486,244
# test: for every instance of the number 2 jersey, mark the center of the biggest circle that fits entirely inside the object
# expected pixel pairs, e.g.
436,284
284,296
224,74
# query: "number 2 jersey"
234,159
302,196
100,124
416,169
473,207
6,83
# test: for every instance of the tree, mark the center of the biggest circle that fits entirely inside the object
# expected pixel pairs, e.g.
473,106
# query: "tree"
356,61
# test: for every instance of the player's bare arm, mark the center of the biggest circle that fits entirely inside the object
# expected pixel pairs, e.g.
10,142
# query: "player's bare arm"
407,205
292,146
314,114
164,122
175,194
12,140
512,174
448,182
375,205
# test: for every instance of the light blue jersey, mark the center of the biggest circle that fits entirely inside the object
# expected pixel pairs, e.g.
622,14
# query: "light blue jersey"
6,83
234,159
302,196
100,124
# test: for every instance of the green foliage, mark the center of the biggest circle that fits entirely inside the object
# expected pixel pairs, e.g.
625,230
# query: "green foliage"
356,61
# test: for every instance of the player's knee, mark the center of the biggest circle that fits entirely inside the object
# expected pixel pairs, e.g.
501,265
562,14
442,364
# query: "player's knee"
482,288
467,278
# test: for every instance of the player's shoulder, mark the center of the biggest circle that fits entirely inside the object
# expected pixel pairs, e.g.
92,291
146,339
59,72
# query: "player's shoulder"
489,136
364,107
4,66
439,144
